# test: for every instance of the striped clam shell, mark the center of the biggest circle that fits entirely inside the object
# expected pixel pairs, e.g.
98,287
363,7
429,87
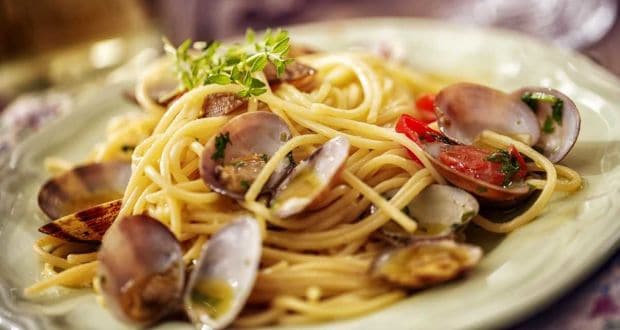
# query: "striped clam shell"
84,201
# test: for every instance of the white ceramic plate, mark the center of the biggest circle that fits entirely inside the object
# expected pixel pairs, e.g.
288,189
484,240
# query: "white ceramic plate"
521,272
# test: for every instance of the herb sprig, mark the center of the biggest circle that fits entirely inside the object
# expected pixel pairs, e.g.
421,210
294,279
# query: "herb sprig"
510,165
199,63
220,145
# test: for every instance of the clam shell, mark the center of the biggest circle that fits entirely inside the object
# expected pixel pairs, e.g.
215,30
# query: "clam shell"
252,133
464,110
441,210
485,190
297,74
224,275
141,270
425,263
83,187
88,225
555,145
305,185
221,104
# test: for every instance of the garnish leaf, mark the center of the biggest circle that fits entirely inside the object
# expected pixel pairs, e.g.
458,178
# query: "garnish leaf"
220,145
510,165
200,63
547,127
557,104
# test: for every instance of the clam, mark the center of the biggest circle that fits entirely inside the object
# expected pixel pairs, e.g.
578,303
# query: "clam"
558,117
233,158
305,185
141,270
439,210
220,104
487,191
88,225
83,187
464,110
84,201
426,262
224,275
296,74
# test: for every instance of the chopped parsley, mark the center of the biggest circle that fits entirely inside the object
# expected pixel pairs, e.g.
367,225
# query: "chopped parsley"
245,184
291,160
532,99
212,63
264,157
556,111
510,165
284,137
548,127
127,148
220,145
205,301
467,215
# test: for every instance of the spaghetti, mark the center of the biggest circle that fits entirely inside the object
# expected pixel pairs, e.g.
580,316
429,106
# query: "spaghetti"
314,265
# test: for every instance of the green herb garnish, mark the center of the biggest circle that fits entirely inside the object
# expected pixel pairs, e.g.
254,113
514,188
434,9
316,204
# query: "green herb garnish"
220,145
510,165
467,215
245,184
215,64
532,99
127,148
547,127
205,301
291,160
556,111
264,157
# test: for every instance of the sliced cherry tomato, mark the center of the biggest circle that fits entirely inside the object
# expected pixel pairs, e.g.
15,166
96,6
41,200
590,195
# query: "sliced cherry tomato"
522,166
497,168
425,103
417,131
473,161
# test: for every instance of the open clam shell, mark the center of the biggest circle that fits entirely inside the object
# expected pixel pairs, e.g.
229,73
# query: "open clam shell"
464,110
424,263
305,185
88,225
296,73
233,158
441,210
224,275
141,270
84,201
83,187
485,190
220,104
558,116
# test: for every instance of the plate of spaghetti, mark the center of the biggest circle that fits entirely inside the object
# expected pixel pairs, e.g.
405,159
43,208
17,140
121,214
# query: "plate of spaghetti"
337,176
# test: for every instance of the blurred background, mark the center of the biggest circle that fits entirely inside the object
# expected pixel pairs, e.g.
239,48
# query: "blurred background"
59,43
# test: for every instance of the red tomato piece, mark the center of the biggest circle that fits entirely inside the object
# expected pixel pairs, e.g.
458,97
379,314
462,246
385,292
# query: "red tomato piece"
417,131
522,166
472,161
425,103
